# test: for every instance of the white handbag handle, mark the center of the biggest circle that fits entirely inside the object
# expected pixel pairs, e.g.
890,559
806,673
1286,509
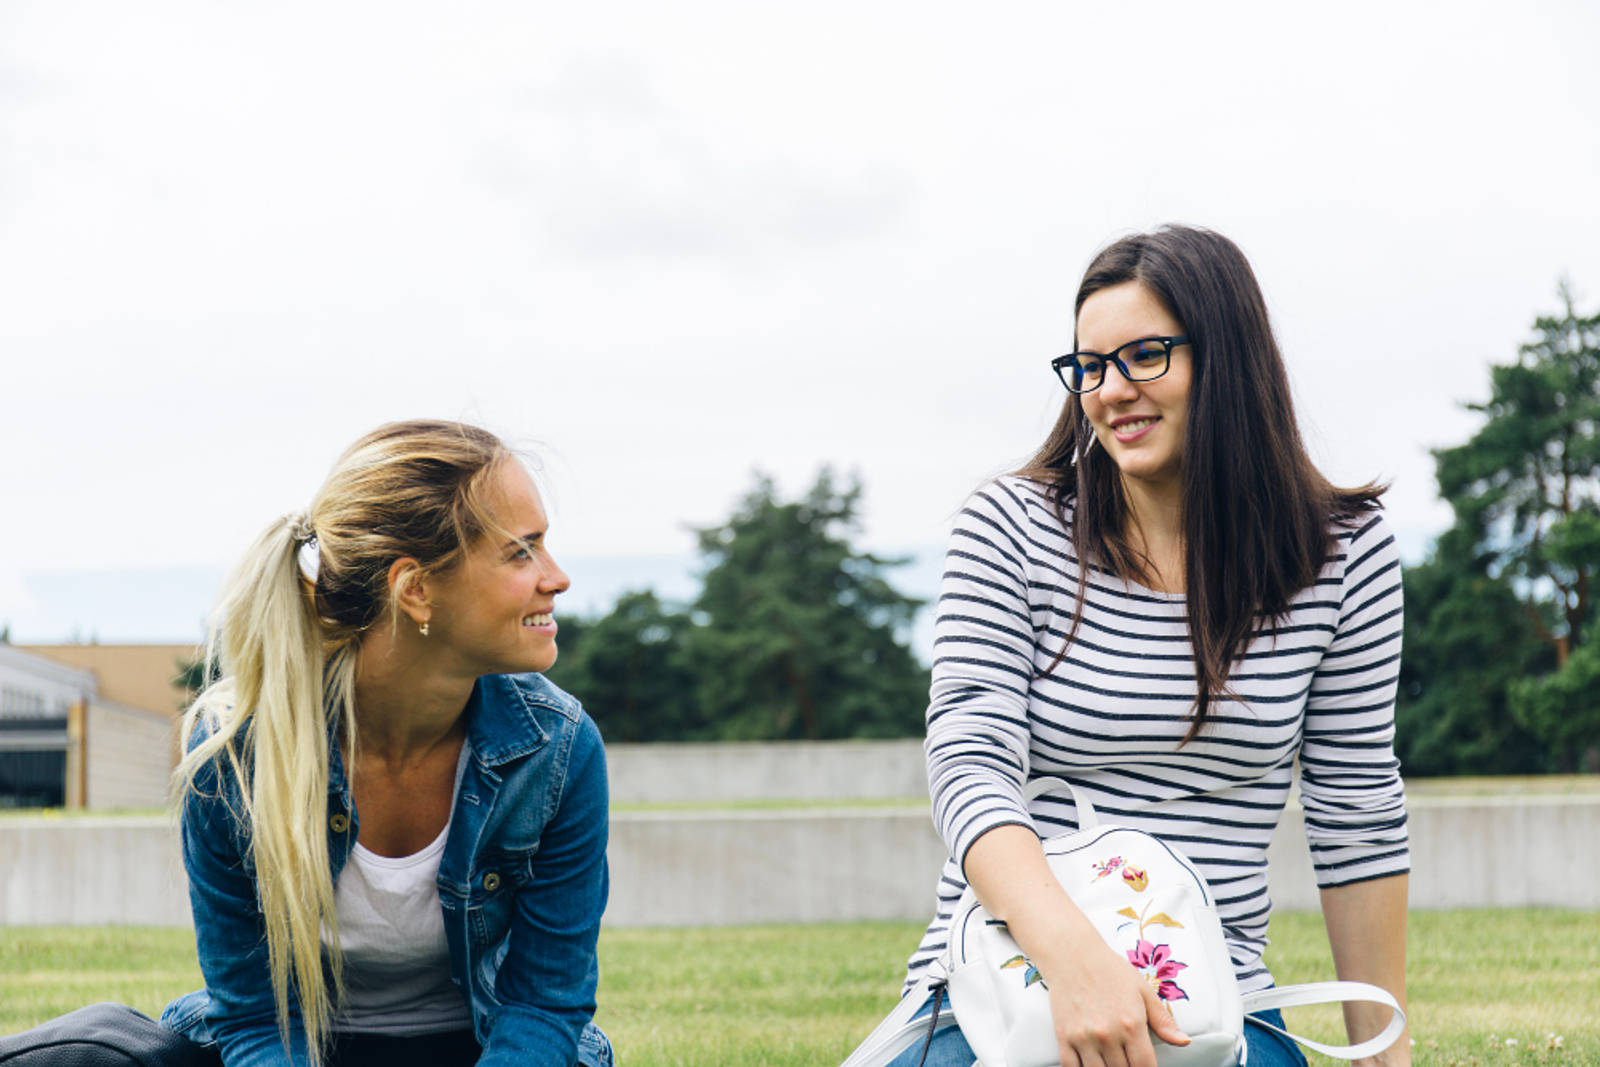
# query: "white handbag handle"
899,1030
1087,816
1294,996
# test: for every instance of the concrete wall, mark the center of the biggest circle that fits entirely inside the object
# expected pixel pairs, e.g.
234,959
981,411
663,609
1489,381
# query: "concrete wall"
755,770
92,869
755,867
130,756
710,867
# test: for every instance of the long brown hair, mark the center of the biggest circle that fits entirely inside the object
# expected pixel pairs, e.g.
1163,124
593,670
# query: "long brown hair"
1256,512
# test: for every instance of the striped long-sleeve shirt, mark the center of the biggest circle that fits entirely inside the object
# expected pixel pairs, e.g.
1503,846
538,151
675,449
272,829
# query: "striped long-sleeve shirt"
1111,715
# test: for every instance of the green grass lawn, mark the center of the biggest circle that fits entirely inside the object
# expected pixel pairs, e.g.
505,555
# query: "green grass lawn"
803,995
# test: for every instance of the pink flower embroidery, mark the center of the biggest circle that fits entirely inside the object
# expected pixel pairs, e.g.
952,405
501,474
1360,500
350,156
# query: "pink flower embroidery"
1105,868
1136,877
1155,962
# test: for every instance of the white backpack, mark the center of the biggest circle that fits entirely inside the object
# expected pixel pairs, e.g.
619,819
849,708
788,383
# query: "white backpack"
1151,905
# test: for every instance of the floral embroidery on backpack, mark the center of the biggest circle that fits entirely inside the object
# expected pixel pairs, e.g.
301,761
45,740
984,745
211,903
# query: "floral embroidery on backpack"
1029,976
1106,867
1155,962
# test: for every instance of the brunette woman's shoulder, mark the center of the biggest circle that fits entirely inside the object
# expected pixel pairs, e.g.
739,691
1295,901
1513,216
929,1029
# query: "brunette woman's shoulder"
1018,493
1002,503
1354,508
1363,543
1029,501
1360,522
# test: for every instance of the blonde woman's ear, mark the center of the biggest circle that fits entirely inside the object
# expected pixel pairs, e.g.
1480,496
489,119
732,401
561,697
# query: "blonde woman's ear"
408,586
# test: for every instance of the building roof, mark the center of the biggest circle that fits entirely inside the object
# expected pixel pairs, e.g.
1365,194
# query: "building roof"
34,686
140,675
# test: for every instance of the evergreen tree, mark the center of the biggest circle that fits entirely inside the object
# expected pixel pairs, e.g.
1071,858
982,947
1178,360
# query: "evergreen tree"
1467,640
191,676
630,669
795,634
799,634
1526,494
1563,710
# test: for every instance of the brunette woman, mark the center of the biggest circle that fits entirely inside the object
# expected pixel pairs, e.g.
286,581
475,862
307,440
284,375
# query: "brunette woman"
1171,608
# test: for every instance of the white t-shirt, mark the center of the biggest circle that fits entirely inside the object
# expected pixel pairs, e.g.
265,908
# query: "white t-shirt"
396,958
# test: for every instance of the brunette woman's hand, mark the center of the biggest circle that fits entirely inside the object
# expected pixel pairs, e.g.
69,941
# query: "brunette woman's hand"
1102,1008
1104,1011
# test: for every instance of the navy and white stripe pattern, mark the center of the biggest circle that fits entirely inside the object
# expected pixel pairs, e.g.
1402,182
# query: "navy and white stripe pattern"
1111,715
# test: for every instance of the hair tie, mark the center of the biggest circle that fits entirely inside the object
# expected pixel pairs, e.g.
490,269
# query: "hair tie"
309,554
301,528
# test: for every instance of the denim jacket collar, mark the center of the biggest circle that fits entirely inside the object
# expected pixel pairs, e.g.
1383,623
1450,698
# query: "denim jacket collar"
501,727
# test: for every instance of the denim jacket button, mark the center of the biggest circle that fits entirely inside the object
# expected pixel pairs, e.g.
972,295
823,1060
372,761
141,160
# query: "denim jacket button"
491,881
339,821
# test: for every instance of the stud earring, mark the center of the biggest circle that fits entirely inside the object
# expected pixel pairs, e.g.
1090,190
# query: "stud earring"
422,629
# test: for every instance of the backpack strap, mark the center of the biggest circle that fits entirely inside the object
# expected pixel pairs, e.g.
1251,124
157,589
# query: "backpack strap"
1294,996
1038,787
899,1030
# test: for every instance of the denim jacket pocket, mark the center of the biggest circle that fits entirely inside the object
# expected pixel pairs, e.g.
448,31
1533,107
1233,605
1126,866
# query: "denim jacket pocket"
491,898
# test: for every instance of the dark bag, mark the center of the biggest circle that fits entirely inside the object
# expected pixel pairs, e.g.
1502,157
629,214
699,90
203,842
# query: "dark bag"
103,1035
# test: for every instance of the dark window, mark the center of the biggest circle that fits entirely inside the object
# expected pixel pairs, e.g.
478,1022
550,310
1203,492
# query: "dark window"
36,779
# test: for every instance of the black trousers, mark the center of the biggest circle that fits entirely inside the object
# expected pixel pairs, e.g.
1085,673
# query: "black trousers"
114,1035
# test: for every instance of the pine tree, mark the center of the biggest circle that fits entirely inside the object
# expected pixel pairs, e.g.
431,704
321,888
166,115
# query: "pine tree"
1526,494
801,631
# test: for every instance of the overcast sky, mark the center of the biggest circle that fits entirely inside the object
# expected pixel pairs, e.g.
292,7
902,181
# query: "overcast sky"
666,244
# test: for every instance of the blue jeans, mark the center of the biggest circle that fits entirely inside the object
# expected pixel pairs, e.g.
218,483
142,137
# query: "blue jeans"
1263,1047
1267,1049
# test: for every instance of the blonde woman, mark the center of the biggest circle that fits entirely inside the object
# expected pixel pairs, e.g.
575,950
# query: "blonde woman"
394,828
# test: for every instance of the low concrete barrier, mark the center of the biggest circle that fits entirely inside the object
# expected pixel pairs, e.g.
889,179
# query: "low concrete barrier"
714,868
709,867
766,770
89,870
1529,850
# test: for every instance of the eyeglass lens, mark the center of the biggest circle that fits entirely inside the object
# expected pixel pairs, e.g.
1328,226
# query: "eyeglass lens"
1140,361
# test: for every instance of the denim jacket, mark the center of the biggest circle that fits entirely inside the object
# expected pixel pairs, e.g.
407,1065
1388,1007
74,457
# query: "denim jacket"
522,883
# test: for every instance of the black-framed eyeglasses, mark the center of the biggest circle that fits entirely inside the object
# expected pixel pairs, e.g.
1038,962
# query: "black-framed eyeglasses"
1143,360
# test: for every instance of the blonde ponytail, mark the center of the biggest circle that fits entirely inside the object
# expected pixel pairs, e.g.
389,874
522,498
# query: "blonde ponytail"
283,644
267,721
